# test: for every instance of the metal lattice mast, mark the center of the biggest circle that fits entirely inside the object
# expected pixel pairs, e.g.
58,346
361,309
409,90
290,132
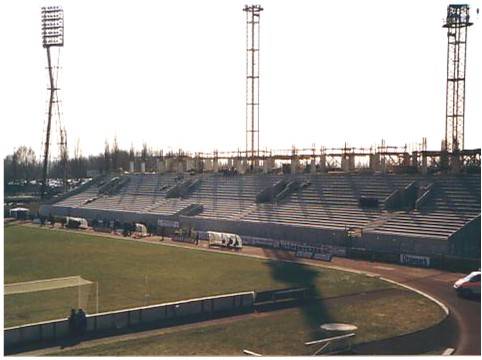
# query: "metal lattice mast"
64,157
52,18
456,23
252,80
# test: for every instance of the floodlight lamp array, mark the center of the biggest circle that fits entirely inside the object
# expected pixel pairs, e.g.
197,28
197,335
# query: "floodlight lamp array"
52,26
254,8
457,16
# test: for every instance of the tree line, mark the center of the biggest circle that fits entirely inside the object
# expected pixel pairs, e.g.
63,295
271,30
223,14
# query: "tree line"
23,165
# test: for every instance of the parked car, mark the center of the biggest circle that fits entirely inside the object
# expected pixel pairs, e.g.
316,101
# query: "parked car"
469,285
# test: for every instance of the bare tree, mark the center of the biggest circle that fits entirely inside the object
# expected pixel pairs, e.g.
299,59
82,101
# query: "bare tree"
26,162
77,164
21,165
144,152
115,155
107,157
131,153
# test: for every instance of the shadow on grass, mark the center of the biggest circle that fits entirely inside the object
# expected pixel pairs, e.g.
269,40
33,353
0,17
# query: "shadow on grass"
298,275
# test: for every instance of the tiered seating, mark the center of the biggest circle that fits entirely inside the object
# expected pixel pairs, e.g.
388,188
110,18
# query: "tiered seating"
142,193
79,199
455,201
229,197
460,193
330,201
89,193
221,196
168,206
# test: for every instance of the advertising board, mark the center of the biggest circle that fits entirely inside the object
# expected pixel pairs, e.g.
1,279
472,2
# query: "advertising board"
415,260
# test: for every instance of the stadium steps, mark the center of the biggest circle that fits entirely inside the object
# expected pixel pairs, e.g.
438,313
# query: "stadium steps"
418,234
378,221
331,201
453,202
228,196
269,193
170,206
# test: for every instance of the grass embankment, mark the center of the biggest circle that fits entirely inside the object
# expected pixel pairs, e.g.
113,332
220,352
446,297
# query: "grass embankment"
126,271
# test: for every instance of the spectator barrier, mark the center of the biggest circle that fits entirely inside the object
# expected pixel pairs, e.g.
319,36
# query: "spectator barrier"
129,318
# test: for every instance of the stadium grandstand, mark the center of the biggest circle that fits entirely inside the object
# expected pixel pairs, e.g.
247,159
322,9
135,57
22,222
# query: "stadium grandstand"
423,214
408,200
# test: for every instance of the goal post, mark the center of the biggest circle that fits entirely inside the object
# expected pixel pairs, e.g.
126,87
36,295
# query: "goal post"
48,299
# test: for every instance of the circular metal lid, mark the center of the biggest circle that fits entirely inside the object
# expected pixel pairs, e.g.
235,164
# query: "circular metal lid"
338,327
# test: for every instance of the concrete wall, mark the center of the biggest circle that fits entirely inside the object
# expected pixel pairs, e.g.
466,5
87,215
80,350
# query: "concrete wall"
318,236
90,214
375,162
466,241
312,166
322,163
162,166
208,165
309,235
294,165
46,331
267,230
402,244
124,319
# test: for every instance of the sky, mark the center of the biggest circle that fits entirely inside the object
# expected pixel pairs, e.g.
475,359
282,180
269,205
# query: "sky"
172,74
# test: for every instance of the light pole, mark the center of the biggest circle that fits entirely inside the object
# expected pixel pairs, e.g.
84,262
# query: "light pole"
253,13
52,18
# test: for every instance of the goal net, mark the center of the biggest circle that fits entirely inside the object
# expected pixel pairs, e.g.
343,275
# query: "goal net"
41,300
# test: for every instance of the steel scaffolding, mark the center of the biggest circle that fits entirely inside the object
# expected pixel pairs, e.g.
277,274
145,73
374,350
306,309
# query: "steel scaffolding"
252,81
52,18
456,23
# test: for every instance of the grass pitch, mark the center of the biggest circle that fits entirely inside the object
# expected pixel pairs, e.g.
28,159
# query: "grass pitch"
135,274
126,271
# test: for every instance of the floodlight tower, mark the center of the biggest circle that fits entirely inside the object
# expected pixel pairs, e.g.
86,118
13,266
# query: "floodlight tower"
456,23
64,157
52,18
252,80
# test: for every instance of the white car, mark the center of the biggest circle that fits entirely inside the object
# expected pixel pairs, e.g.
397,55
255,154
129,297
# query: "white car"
469,285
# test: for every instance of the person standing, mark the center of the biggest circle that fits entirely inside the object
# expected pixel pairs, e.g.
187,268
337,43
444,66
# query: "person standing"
72,322
82,321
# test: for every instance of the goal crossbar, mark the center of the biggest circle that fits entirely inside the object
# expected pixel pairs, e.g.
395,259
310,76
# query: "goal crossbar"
47,284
